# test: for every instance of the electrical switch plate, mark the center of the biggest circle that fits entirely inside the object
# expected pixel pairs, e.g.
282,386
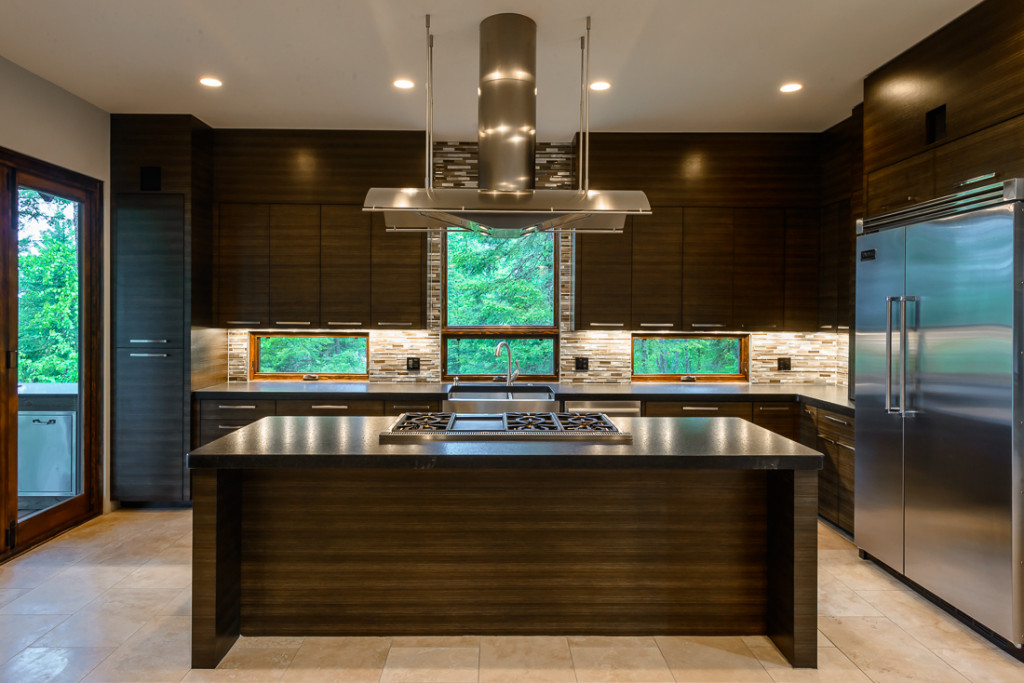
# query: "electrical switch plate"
582,363
785,364
412,363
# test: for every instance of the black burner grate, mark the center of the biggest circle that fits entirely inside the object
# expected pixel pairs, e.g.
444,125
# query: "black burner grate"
423,422
518,422
586,422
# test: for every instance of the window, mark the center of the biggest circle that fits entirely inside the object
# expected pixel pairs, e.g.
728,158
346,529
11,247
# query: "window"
500,290
704,358
292,355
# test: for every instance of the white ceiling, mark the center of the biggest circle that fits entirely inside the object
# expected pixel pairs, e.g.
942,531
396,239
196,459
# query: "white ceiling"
674,65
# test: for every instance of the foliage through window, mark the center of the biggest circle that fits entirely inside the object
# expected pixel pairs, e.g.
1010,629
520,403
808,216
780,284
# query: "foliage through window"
722,358
289,356
506,288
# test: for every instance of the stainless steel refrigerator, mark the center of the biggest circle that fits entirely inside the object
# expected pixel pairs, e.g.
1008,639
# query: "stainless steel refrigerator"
940,354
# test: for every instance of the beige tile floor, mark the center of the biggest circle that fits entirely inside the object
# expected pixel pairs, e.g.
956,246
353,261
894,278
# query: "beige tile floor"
110,601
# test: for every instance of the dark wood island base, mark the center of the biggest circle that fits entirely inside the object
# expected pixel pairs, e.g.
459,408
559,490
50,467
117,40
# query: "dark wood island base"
512,551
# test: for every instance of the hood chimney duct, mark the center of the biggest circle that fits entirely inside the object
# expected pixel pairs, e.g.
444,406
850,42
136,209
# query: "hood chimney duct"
507,112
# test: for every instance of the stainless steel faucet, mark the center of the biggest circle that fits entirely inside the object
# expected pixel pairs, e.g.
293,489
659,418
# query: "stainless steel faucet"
511,377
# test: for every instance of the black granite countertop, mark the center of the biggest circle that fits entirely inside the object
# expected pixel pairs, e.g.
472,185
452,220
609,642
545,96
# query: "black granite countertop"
832,397
353,443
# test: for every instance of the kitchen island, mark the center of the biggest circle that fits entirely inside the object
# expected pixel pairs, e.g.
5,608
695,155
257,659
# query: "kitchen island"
310,526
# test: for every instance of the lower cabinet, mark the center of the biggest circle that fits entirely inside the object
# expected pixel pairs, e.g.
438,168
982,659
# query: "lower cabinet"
780,417
834,436
699,409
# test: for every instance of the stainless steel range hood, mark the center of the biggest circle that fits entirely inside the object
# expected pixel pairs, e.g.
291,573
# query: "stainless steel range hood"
507,203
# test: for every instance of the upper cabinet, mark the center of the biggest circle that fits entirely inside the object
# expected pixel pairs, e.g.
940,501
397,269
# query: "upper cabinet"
988,156
398,278
294,265
242,285
707,269
758,276
657,270
604,270
344,267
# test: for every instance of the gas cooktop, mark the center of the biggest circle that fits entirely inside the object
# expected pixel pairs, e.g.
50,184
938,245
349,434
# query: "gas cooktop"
447,426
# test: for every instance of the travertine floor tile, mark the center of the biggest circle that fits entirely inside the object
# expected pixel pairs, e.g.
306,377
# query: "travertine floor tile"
832,540
432,665
25,572
159,651
435,641
180,605
923,620
885,652
338,660
614,664
987,665
66,592
52,664
251,660
109,620
833,667
612,641
18,631
171,568
509,659
856,573
836,599
9,594
708,659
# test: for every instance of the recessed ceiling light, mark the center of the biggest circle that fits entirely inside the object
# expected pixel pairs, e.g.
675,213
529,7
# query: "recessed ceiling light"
791,87
600,85
404,83
210,82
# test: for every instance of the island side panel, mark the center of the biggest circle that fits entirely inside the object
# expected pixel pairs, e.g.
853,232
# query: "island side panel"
440,552
793,564
216,564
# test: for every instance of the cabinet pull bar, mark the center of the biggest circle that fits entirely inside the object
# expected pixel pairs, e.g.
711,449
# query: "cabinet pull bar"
825,327
243,322
842,327
657,324
397,407
327,406
706,325
230,426
772,408
826,439
353,324
147,341
149,355
236,407
836,420
971,181
607,324
397,324
712,408
291,322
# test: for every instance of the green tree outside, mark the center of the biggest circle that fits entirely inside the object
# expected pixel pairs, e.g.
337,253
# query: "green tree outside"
686,356
345,355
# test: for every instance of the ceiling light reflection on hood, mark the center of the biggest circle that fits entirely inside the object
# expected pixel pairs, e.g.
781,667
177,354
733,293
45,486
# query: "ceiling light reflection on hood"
791,87
600,85
404,83
211,82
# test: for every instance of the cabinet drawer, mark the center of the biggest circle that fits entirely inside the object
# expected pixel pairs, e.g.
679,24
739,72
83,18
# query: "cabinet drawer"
329,405
835,426
411,406
781,418
699,409
214,429
235,409
776,409
903,184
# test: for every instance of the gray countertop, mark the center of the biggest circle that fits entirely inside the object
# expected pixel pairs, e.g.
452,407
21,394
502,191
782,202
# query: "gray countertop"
832,397
353,443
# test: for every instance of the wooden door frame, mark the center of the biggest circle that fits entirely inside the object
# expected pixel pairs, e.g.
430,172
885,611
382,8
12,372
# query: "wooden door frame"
18,169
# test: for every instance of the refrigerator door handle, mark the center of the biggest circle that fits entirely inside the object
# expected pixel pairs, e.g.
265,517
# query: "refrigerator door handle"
888,354
904,344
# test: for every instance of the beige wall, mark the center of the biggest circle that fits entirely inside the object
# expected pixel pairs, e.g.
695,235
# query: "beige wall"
41,120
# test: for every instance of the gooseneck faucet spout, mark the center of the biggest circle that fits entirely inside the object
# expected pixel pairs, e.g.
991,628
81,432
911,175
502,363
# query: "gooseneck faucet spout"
511,377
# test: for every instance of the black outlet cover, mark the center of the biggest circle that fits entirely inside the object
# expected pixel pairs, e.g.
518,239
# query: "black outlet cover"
582,363
412,363
785,364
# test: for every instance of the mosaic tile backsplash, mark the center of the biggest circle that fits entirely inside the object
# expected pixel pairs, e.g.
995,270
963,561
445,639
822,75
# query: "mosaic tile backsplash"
817,358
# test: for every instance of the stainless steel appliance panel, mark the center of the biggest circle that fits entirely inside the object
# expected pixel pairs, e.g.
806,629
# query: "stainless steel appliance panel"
609,408
878,507
47,457
958,433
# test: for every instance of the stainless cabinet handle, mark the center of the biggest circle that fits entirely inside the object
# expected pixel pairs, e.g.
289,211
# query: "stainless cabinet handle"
149,355
836,420
706,325
244,322
711,408
398,407
826,439
826,327
607,324
326,406
291,322
347,324
237,407
971,181
230,426
842,327
147,341
657,324
772,408
396,324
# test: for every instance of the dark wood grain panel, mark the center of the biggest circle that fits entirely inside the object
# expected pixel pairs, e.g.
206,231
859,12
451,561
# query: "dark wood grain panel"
657,281
329,406
900,185
742,409
368,553
845,486
997,151
758,276
161,140
232,409
604,269
828,481
411,404
801,271
398,297
707,269
243,265
781,418
294,266
345,233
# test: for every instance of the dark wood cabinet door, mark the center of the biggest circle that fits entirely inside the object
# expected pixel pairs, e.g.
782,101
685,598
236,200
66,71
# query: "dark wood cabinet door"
758,284
398,278
781,418
844,486
344,267
898,186
149,290
604,269
243,265
846,272
801,266
828,481
707,269
836,267
294,266
988,156
148,449
657,283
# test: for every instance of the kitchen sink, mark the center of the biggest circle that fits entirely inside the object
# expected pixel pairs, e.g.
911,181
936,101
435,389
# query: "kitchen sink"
500,398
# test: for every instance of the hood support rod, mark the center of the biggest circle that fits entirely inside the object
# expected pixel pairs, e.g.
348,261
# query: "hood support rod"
428,181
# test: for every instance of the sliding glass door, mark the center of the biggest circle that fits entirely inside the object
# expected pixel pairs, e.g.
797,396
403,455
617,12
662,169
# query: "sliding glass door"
51,267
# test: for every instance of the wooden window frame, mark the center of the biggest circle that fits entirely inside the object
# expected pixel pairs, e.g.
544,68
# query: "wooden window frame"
742,376
495,331
254,357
